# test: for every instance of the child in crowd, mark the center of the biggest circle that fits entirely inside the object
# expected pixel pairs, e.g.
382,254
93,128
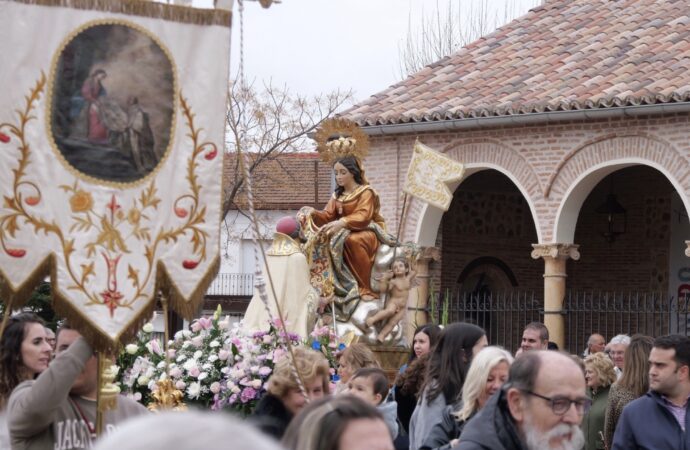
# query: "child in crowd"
371,385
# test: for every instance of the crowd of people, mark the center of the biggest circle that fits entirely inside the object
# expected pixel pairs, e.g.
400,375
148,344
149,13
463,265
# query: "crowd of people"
455,391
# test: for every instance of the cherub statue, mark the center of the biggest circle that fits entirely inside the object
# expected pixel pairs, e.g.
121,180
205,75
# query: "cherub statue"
396,283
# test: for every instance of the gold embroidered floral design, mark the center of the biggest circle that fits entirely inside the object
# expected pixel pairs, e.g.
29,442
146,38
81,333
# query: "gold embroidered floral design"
118,228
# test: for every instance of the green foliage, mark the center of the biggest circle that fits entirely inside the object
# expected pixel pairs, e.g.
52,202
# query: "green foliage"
444,308
40,303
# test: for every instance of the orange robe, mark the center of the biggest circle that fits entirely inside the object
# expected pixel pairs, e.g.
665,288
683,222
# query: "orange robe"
357,210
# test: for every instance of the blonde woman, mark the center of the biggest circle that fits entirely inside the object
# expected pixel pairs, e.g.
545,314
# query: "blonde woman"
487,373
599,375
633,384
284,398
356,356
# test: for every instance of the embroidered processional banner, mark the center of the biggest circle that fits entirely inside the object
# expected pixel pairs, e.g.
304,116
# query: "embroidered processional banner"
429,175
111,137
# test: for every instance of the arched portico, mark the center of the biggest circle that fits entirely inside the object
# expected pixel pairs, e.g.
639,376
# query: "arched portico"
430,216
569,209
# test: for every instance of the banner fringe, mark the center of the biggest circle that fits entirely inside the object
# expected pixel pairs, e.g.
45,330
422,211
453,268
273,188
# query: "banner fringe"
145,8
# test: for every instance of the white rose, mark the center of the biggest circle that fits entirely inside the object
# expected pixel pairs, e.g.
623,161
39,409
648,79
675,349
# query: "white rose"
161,365
236,390
143,380
213,358
202,376
148,328
215,387
132,349
214,344
198,354
256,384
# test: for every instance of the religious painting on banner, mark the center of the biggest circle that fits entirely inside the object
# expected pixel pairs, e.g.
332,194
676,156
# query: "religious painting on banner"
111,135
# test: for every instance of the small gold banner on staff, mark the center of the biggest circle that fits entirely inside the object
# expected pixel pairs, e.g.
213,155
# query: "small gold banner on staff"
429,175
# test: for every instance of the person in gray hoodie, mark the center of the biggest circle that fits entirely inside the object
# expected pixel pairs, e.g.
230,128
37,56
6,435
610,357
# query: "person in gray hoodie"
371,385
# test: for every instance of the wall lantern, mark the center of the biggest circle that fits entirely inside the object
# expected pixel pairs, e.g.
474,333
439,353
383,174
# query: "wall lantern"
616,217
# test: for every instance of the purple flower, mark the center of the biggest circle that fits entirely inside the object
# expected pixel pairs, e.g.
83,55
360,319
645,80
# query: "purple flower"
248,394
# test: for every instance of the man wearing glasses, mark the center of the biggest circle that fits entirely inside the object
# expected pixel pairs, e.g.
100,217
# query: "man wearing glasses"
659,419
540,408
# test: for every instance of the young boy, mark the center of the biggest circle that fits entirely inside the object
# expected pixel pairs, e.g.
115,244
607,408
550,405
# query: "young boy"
371,385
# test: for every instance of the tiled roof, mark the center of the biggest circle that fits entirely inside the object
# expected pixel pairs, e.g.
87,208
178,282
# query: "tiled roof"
563,55
289,181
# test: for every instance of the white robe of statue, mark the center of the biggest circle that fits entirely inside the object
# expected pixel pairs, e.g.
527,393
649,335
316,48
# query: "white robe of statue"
297,298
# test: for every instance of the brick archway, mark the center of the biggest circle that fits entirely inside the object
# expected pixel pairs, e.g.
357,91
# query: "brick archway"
583,168
477,156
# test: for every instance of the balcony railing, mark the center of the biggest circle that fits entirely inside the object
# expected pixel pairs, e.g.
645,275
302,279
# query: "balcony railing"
232,284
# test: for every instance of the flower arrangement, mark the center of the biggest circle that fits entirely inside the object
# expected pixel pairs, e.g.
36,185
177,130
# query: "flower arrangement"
253,358
324,340
215,365
140,363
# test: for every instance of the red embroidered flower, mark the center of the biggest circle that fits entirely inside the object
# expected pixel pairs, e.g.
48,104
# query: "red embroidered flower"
181,212
4,138
111,299
189,264
212,154
32,201
15,252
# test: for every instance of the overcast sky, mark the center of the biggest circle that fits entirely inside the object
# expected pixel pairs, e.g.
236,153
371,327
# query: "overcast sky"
317,46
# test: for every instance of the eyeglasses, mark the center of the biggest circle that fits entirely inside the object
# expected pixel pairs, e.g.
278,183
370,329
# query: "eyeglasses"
561,405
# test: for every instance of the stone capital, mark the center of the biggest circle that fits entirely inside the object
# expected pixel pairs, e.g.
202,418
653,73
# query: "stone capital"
555,250
429,254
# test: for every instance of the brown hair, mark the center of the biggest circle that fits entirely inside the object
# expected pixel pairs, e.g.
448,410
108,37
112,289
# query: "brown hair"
411,380
378,378
309,363
636,371
602,367
321,424
11,364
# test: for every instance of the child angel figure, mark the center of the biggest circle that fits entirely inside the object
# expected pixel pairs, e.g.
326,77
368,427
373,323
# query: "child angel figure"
396,283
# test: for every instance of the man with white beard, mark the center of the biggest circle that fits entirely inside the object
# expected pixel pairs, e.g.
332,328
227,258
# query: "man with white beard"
539,408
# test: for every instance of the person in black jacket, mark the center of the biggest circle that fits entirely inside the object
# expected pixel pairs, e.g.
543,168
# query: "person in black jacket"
541,407
661,418
285,399
487,374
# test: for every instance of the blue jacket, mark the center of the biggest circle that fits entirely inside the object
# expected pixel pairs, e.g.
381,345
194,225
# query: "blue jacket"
647,424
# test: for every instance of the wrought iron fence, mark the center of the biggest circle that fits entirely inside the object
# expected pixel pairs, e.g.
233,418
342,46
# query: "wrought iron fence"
232,284
504,315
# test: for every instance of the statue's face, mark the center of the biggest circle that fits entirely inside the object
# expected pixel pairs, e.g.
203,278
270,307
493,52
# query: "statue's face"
399,268
343,176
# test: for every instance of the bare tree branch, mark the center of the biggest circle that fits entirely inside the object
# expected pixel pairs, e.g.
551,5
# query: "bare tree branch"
446,32
268,123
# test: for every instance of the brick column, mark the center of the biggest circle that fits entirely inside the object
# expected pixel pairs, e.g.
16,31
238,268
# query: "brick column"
555,257
419,295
